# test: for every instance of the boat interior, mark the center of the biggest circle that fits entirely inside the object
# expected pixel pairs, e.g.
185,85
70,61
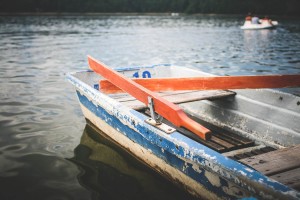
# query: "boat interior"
280,164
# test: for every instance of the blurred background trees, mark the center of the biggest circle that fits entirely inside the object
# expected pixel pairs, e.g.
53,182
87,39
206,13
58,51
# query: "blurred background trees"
279,7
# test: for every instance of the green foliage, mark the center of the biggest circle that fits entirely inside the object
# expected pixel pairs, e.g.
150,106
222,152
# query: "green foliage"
287,7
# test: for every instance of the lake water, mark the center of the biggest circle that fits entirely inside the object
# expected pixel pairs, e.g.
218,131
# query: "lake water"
46,149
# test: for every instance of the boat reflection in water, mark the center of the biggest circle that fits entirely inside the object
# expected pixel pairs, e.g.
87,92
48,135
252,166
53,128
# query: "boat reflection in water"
110,172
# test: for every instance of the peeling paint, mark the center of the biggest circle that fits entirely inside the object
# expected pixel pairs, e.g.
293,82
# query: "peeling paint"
197,168
249,170
243,173
234,191
213,179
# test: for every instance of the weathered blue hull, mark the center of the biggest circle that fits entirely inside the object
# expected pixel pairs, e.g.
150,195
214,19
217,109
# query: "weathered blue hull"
200,170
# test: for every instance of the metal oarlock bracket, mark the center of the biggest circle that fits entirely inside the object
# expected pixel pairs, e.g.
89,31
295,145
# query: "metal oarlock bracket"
156,120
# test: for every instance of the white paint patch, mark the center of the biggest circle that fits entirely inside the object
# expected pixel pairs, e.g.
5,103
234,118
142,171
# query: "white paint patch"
196,168
234,191
213,179
249,170
185,166
243,173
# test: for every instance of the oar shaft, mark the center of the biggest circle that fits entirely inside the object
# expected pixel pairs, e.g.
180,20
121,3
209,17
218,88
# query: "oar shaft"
211,83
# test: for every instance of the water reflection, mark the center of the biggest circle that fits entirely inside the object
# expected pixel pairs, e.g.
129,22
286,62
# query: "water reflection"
109,172
36,176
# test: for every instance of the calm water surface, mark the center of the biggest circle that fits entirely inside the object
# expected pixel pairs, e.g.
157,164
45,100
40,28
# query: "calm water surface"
46,149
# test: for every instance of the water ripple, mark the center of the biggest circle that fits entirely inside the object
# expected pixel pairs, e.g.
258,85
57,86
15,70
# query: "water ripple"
40,119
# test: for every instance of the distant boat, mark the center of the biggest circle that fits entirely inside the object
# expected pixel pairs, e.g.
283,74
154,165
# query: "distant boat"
264,24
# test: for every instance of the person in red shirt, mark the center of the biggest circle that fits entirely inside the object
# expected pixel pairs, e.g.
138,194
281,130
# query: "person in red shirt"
248,17
266,19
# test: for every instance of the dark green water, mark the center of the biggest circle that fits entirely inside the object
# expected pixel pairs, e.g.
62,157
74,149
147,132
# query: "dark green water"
46,150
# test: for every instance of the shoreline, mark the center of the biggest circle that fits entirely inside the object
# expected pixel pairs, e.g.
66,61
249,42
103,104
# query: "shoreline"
83,14
172,14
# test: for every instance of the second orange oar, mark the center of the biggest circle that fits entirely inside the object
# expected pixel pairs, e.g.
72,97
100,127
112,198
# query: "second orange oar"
166,109
211,83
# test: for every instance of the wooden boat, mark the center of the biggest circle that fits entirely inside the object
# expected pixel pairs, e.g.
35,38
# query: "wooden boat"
263,25
253,149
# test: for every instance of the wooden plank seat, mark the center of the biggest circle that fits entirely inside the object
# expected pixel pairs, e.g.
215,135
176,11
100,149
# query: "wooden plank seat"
290,178
175,97
221,141
282,165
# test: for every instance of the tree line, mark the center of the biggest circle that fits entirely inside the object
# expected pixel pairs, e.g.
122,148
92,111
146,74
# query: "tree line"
278,7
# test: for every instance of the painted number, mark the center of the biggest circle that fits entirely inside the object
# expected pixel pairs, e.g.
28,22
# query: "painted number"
96,86
136,75
145,74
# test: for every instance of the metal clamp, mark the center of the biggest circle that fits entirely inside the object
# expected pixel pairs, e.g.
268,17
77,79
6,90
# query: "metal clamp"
156,119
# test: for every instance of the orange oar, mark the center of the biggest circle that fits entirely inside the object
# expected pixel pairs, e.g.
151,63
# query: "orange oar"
210,83
168,110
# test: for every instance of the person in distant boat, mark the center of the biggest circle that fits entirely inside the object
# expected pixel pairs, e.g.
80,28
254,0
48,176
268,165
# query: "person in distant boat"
248,17
267,20
255,20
